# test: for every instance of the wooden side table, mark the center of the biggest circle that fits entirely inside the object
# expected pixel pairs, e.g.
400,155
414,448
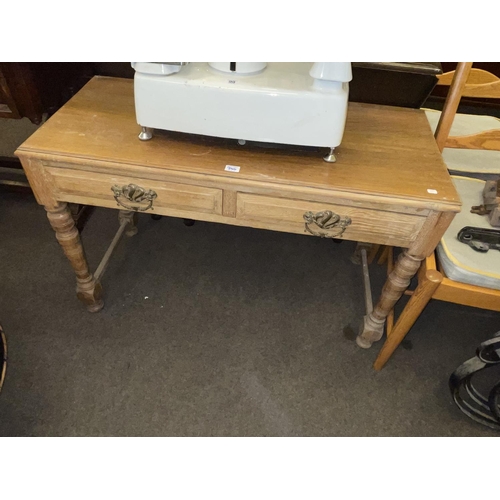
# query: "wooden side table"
389,185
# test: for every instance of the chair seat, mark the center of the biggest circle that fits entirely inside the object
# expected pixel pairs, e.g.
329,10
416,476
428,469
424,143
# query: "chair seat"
469,160
459,261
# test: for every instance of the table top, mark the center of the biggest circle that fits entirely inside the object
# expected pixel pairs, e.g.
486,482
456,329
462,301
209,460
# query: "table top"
386,151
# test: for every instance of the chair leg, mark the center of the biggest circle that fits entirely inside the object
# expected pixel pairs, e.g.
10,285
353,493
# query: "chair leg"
383,256
389,322
423,293
373,253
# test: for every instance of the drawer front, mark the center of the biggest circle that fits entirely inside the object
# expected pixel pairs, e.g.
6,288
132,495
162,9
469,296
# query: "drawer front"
112,191
366,224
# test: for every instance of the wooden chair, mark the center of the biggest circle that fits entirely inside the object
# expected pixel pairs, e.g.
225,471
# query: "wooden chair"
432,279
469,143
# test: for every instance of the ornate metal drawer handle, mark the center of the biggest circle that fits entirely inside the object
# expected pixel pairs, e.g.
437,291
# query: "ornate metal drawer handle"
326,220
142,199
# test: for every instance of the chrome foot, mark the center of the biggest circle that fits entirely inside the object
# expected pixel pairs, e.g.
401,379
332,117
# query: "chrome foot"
146,134
330,157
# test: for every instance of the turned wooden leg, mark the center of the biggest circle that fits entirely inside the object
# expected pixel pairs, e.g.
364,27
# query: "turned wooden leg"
427,285
87,288
131,217
399,279
397,282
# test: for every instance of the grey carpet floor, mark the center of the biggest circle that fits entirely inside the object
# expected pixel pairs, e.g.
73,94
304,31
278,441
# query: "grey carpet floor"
213,330
13,133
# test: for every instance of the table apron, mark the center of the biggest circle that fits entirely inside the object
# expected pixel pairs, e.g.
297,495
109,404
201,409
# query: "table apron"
278,211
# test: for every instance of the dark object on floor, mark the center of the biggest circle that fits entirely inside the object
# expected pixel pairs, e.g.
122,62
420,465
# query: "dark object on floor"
393,83
479,408
3,357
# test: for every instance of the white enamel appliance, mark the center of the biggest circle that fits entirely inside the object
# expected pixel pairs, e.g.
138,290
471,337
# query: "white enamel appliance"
284,103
